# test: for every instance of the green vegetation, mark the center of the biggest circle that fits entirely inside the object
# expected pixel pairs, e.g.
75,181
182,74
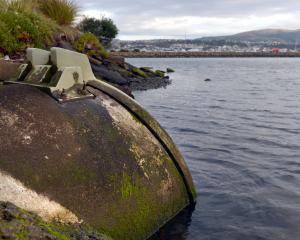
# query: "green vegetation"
63,12
7,41
19,30
16,223
21,5
160,73
39,23
139,72
89,44
102,28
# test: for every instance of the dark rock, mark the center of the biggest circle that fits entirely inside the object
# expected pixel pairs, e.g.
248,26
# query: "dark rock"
65,45
95,61
148,83
120,61
147,69
129,67
110,76
160,73
170,70
207,80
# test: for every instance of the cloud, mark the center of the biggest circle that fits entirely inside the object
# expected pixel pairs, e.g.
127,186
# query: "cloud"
196,18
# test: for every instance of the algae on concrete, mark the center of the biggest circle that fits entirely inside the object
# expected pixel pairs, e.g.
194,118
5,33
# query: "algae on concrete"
16,223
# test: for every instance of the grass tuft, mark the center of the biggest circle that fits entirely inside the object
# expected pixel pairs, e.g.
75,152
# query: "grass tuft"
63,12
22,5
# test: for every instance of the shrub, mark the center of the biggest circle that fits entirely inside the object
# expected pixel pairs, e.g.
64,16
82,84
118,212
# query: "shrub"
89,44
102,28
139,72
24,30
7,42
63,12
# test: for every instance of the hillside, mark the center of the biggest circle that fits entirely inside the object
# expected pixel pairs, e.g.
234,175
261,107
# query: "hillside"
266,35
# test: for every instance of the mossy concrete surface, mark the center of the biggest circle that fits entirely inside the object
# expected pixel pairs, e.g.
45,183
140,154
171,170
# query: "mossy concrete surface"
18,224
93,157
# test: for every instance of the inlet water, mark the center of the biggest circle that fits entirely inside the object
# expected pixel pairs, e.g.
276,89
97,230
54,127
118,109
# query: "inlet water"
240,135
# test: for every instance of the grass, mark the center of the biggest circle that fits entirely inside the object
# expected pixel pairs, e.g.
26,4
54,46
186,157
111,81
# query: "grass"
19,30
37,23
3,5
63,12
22,5
7,41
24,23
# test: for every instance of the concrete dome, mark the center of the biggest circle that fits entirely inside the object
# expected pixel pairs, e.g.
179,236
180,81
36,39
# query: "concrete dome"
84,152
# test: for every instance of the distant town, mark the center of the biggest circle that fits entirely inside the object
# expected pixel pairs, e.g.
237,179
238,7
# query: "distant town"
187,46
263,41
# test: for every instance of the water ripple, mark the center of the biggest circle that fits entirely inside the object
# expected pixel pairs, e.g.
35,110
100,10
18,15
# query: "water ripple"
240,135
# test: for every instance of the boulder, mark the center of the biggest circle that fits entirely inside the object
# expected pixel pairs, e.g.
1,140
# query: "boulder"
170,70
117,60
110,76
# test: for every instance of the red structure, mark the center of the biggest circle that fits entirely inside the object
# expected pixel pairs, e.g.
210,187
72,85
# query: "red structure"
275,50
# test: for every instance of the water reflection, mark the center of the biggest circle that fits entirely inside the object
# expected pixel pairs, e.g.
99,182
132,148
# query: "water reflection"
178,227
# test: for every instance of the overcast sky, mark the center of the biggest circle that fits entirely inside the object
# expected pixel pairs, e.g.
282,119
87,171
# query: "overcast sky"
138,19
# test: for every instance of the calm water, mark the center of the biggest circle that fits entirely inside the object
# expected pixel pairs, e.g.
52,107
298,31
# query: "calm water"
240,135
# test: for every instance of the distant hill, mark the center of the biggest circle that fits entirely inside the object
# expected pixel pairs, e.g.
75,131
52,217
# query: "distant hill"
266,35
281,38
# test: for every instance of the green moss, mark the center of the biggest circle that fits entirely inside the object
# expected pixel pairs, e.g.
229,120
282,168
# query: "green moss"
89,44
83,174
52,231
147,216
160,73
141,210
128,188
63,12
22,224
139,72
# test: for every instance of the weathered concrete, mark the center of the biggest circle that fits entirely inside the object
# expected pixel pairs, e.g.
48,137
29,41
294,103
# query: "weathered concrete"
18,224
78,151
91,159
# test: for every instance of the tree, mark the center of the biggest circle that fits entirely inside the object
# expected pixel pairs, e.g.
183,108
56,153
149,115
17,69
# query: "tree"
103,28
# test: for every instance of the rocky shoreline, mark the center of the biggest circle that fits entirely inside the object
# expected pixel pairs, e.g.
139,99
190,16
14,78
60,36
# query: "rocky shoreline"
117,72
128,77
